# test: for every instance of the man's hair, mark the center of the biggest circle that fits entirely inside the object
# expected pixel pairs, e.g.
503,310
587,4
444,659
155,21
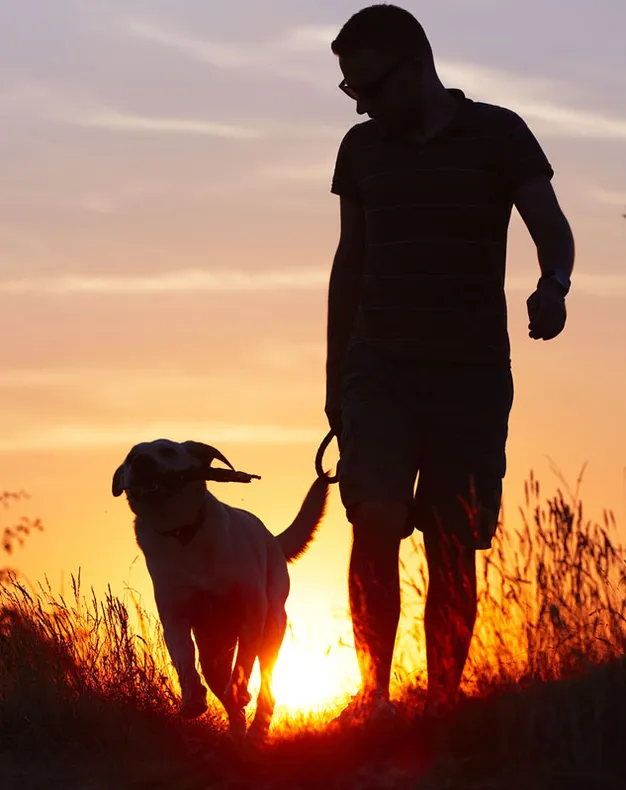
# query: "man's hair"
383,27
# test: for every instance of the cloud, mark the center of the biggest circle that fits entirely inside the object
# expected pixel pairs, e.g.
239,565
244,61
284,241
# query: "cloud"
608,197
143,380
39,101
232,55
274,57
42,102
604,285
121,122
568,122
94,203
312,173
310,38
115,121
532,98
193,281
177,282
307,130
607,285
113,384
302,54
290,356
218,54
78,436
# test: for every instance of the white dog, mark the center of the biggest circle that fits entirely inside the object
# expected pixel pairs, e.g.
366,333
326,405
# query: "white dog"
217,573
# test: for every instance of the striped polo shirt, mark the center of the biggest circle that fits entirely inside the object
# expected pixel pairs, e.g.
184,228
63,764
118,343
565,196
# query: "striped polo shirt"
436,218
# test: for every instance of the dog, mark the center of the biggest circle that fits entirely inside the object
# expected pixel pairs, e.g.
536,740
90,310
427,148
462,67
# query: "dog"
217,572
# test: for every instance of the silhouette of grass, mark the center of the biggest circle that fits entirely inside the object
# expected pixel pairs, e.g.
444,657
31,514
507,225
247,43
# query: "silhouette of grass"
88,701
16,533
552,596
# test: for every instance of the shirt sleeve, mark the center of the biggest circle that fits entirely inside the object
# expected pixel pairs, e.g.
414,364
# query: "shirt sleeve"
344,181
522,156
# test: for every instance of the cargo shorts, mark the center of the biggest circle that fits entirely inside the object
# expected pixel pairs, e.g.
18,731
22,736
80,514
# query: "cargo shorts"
430,435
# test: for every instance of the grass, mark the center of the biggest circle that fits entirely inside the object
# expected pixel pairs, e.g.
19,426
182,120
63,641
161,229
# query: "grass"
88,701
15,534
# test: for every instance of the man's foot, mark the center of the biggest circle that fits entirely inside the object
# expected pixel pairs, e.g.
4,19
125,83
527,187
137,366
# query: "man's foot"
434,727
195,704
439,706
371,708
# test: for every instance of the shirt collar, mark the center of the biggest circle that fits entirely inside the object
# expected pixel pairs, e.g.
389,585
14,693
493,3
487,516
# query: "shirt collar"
455,121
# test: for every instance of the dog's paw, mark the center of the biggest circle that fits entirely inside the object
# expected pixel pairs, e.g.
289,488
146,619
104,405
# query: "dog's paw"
237,725
194,705
236,696
258,731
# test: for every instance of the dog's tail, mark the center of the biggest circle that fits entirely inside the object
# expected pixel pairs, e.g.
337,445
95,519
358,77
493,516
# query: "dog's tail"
295,540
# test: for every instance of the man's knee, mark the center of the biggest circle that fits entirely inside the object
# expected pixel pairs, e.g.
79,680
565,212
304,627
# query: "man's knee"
449,561
379,522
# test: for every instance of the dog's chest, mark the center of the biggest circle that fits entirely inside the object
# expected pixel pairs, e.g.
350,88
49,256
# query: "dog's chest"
221,613
200,565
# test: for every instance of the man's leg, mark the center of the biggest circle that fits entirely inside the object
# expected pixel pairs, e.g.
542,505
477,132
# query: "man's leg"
458,501
374,588
377,470
449,616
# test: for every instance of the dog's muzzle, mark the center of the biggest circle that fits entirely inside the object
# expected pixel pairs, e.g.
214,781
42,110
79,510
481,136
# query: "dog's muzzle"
148,478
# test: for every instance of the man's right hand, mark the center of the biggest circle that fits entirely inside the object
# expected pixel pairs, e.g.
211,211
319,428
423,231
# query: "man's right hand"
546,311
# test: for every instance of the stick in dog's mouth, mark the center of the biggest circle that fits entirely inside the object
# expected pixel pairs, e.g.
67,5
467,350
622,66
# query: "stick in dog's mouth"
171,483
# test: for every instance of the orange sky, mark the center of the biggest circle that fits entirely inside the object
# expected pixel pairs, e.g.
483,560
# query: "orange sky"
166,235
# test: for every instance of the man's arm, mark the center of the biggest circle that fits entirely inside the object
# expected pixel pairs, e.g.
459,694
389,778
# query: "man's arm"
343,299
539,208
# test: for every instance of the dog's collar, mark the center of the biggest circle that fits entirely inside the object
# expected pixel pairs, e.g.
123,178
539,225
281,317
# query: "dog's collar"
187,532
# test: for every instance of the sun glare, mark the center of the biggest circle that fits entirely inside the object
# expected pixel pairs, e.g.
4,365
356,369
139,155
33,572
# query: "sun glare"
310,678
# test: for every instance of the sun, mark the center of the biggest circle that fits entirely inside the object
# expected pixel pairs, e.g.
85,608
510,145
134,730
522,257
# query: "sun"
312,676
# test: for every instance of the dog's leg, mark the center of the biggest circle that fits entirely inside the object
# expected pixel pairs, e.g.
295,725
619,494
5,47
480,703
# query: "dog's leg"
216,660
250,635
273,636
177,634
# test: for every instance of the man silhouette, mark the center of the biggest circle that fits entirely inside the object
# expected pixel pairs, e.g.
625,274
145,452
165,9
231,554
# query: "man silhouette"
418,367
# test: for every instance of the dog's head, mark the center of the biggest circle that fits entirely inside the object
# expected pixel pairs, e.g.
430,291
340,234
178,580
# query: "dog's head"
156,471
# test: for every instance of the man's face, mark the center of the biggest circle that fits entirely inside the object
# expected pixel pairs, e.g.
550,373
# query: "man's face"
385,86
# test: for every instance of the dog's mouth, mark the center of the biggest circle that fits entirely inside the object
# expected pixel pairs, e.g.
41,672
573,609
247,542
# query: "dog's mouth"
163,485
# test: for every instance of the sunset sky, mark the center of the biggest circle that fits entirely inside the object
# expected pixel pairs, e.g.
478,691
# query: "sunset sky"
167,232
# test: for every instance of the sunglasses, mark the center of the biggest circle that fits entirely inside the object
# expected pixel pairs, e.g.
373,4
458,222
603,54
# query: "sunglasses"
369,89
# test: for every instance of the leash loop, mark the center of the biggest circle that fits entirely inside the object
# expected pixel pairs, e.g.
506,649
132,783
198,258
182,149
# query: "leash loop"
319,458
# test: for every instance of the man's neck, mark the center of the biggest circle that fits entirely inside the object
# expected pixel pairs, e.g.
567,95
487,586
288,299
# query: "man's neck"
439,108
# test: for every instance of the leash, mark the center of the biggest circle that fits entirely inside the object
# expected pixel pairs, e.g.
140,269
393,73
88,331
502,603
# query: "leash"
319,458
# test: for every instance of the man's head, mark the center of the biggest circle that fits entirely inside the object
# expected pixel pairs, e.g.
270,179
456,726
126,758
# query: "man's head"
386,60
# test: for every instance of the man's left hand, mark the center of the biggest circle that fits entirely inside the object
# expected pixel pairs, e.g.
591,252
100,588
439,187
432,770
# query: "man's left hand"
546,311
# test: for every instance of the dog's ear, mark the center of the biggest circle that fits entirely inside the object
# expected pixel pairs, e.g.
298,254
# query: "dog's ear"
118,481
205,453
